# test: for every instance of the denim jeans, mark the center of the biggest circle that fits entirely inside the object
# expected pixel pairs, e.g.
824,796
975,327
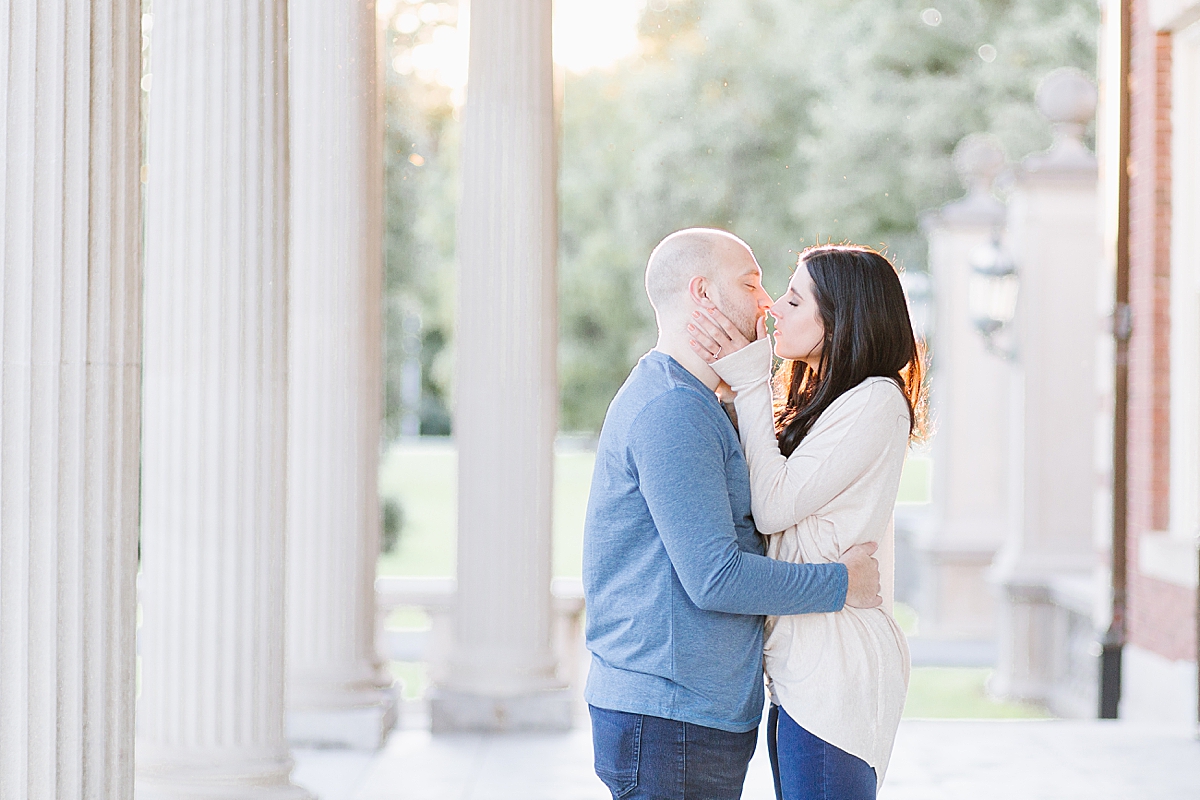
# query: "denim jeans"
809,768
640,757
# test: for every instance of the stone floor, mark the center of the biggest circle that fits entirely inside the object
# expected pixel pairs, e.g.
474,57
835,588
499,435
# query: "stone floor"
933,760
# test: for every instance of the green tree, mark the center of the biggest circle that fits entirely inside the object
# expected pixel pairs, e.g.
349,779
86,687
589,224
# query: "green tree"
420,194
787,123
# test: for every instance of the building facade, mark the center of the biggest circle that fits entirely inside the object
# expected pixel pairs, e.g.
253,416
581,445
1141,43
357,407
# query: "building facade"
1159,665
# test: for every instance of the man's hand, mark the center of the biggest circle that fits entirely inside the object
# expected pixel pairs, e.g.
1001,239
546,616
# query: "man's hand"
863,589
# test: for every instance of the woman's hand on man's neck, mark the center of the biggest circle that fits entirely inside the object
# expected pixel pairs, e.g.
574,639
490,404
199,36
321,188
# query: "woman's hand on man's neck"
678,348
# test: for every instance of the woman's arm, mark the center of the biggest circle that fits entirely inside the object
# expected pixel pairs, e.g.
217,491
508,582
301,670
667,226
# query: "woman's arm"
850,436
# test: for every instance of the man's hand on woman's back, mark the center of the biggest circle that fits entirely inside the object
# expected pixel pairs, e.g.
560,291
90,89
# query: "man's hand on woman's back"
863,588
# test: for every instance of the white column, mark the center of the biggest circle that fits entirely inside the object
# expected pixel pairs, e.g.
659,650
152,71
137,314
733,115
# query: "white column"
969,400
1045,567
338,691
211,712
70,339
501,672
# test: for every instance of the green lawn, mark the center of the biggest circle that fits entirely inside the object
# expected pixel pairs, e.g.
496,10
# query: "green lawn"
960,693
421,475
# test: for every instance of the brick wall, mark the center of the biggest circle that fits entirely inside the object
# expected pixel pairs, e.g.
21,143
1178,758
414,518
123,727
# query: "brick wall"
1161,615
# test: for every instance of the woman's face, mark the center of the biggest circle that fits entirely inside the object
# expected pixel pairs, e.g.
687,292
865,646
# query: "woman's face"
799,332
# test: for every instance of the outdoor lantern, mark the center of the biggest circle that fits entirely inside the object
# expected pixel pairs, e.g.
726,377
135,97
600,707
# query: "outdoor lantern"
992,292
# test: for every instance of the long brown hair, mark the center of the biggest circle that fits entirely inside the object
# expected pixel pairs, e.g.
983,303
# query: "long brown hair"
867,333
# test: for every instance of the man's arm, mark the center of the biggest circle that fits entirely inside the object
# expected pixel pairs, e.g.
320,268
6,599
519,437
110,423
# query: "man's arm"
677,450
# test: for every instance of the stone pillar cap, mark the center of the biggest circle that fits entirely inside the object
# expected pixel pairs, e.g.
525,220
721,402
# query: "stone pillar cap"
978,159
1067,98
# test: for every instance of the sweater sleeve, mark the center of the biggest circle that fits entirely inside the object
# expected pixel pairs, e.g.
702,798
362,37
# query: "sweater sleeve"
677,450
842,444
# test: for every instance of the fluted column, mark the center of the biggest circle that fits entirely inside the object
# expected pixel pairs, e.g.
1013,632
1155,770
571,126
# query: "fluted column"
211,713
501,672
338,692
70,336
970,399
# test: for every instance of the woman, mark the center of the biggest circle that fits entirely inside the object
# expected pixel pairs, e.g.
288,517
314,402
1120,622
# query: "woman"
825,461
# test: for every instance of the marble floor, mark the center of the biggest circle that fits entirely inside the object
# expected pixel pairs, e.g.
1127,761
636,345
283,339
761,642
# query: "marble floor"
933,760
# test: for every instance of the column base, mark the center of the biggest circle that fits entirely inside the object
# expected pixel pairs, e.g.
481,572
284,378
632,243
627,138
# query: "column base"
360,728
144,790
955,600
214,775
453,711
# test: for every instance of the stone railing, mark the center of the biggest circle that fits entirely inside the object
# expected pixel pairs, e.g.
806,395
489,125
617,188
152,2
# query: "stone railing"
436,597
1057,662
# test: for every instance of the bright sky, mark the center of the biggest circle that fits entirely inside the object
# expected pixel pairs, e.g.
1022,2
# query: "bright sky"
592,33
588,34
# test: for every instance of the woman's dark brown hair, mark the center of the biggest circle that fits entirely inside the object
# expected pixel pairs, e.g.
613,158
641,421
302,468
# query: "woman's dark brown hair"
867,333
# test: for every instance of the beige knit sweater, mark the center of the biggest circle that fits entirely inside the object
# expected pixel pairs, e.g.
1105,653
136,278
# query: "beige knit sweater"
841,676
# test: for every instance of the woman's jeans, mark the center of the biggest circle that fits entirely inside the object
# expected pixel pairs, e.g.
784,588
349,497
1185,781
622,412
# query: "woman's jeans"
640,757
808,768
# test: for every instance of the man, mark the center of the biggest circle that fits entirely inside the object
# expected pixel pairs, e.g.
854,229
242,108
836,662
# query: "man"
674,573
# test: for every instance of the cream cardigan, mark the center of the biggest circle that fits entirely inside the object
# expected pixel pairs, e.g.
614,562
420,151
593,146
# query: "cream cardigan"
841,676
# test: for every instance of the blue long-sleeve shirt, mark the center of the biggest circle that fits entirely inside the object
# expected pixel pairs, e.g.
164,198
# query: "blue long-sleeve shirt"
674,574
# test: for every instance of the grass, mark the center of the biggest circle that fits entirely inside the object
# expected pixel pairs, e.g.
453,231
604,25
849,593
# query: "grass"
960,693
412,677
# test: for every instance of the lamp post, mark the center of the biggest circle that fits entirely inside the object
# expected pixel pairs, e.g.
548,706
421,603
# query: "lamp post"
992,296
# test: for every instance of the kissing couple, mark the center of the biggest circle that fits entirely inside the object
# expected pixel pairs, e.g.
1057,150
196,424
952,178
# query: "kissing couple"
741,523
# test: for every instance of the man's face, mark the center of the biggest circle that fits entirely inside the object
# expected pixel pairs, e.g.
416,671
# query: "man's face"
737,290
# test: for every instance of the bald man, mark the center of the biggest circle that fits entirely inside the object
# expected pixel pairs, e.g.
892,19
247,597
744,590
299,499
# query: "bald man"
676,581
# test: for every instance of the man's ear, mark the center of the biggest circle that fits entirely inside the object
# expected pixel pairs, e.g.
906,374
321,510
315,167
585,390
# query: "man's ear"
698,288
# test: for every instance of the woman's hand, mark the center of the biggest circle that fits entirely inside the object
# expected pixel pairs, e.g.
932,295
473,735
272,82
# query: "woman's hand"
714,336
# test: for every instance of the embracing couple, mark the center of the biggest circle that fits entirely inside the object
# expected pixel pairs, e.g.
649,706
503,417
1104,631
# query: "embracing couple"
708,560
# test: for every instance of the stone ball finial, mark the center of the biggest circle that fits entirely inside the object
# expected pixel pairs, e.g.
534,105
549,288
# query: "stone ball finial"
1067,96
978,159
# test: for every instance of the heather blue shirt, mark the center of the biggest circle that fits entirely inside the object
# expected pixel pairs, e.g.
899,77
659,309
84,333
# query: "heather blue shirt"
673,571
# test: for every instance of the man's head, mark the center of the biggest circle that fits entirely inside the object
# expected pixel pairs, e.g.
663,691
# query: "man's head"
698,267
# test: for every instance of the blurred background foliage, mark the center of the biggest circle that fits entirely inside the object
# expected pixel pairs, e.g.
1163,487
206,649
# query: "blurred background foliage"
786,122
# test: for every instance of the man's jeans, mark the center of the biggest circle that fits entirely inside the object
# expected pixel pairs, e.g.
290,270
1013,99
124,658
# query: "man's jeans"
640,757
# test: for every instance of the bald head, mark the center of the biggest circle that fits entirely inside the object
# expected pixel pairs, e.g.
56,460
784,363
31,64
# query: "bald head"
688,254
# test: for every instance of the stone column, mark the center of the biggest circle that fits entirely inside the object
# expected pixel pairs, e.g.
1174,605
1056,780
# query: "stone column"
501,672
211,713
70,376
338,691
970,399
1045,567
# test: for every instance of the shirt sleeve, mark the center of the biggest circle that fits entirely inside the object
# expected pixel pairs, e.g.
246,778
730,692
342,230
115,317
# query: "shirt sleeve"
850,436
679,455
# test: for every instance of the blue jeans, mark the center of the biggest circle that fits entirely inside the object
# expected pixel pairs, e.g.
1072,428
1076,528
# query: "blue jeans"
640,757
809,768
